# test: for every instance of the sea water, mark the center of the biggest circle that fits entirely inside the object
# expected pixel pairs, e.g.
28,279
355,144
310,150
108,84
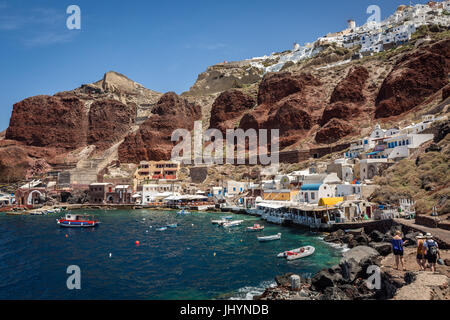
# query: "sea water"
196,260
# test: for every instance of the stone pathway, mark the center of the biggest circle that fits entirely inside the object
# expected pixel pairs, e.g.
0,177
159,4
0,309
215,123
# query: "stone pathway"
439,234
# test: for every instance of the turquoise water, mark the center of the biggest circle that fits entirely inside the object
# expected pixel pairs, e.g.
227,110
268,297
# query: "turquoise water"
173,264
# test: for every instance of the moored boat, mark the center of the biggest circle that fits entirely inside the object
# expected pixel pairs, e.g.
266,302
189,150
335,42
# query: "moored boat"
270,238
162,229
227,218
299,252
77,221
174,225
219,222
183,212
255,228
232,223
307,251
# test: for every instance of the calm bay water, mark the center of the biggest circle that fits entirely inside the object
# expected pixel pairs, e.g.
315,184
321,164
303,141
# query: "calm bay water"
173,264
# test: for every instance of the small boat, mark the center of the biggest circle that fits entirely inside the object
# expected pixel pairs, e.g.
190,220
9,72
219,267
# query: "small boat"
38,213
227,218
162,229
270,238
77,221
232,223
255,228
183,212
304,252
219,222
174,225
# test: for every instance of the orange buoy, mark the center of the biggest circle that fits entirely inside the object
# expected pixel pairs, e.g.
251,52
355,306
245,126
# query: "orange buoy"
137,243
67,235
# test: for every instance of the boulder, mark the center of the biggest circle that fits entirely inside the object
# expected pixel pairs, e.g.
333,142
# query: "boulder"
360,254
411,238
362,239
351,270
284,280
324,279
383,248
447,262
376,236
356,232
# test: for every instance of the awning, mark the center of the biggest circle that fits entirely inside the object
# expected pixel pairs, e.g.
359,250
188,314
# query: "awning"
314,187
136,196
330,201
271,205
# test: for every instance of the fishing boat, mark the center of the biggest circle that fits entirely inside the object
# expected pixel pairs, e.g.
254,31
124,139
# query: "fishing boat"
270,238
232,223
162,229
174,225
182,212
78,221
255,228
299,252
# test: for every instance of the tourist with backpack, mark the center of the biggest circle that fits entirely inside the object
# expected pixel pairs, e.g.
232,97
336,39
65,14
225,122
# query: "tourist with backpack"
432,249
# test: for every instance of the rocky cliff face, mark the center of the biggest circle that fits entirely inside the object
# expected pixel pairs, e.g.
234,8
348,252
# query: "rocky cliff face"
312,104
415,77
152,141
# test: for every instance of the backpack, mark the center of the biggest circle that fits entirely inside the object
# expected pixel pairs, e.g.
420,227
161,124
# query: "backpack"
432,248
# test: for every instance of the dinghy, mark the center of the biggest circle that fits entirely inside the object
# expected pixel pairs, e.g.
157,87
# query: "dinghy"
232,223
162,229
255,228
219,222
270,238
227,218
307,251
172,225
303,252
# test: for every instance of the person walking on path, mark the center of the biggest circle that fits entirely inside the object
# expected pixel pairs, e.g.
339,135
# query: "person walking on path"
432,249
397,248
421,252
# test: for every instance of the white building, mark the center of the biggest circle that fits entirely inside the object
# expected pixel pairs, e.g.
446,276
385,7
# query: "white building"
402,145
153,192
344,190
235,188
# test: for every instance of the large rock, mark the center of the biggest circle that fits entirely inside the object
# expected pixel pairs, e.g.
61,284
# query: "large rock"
360,254
339,110
49,121
383,248
334,130
334,293
109,122
413,78
276,86
228,108
376,236
350,89
153,139
324,279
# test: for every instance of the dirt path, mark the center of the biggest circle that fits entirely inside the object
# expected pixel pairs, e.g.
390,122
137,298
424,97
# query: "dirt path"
439,234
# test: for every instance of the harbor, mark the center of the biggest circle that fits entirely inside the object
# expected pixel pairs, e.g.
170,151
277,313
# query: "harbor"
196,260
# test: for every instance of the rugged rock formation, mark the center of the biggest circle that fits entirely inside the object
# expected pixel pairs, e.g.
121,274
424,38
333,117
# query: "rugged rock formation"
351,88
339,110
446,92
152,141
414,77
45,121
334,130
228,109
109,121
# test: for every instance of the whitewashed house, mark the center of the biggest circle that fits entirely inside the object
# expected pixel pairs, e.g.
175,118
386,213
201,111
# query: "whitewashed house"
401,146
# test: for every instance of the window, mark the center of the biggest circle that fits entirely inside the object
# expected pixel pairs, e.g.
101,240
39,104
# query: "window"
312,196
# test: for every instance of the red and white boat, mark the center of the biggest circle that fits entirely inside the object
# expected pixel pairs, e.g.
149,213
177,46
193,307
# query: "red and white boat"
77,221
255,228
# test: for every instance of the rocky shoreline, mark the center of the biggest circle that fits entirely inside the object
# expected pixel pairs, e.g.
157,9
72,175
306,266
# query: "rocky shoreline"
369,259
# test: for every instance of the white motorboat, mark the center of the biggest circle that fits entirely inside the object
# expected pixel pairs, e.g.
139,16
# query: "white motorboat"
232,223
297,253
219,222
270,238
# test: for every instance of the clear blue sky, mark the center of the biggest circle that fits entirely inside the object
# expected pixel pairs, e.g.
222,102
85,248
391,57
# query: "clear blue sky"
162,45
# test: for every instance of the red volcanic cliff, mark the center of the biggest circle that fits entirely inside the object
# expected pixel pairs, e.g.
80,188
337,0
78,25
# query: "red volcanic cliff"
152,141
44,121
109,121
334,130
228,109
414,77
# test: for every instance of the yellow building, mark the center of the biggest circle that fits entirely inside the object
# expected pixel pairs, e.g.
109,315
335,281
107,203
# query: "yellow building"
280,195
156,170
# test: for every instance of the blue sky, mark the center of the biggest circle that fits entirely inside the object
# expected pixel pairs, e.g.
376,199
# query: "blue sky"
162,45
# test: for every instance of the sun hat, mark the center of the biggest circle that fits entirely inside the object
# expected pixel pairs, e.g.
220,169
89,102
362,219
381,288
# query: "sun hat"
420,236
428,236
